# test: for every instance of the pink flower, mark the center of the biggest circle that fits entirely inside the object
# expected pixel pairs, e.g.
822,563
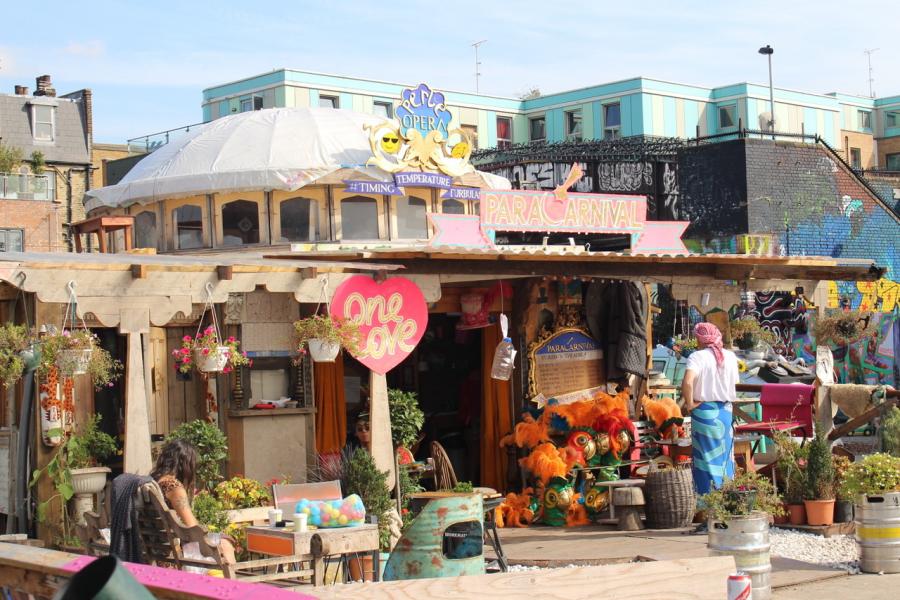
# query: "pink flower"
187,360
232,339
205,352
66,333
209,330
227,370
110,384
250,363
186,338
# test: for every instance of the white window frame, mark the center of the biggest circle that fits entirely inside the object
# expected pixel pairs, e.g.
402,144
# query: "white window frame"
864,119
612,132
570,121
388,107
335,100
531,121
6,231
34,123
504,142
731,111
246,105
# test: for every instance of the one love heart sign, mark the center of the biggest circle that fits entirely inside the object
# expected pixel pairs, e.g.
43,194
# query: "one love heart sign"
392,316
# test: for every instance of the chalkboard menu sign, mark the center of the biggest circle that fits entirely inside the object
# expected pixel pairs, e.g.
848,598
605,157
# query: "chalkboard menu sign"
567,361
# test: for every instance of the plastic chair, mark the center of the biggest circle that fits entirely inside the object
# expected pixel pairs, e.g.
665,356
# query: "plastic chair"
785,407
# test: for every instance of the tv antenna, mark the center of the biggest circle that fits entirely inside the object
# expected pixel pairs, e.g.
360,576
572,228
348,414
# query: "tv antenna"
477,63
868,54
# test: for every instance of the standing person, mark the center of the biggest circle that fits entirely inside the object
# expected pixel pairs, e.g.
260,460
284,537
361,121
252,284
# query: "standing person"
708,389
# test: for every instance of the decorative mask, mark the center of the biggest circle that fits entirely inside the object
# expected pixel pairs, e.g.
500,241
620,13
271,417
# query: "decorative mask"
557,498
581,446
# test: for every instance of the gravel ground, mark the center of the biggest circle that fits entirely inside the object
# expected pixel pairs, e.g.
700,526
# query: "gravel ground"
838,551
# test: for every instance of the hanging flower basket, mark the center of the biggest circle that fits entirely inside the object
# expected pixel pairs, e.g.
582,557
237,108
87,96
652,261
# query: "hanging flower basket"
323,350
74,362
212,361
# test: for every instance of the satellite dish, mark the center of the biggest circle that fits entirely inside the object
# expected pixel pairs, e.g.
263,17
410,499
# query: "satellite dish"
766,122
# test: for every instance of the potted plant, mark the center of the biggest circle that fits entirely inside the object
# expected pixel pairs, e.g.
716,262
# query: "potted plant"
211,446
685,345
843,506
819,485
407,418
749,335
209,354
13,343
789,469
78,352
740,529
874,483
325,335
361,476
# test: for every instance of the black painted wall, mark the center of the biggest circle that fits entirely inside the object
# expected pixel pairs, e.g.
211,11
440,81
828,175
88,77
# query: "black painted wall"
713,186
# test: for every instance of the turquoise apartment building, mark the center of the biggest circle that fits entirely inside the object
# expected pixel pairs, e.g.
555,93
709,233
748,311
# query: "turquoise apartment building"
866,130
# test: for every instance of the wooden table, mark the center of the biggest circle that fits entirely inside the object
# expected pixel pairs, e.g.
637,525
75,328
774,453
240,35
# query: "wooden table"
315,544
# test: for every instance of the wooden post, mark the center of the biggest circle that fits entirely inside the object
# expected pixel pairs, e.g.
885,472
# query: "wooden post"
135,322
380,426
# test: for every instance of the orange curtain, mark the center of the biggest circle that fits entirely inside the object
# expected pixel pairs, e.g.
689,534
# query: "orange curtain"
496,417
331,407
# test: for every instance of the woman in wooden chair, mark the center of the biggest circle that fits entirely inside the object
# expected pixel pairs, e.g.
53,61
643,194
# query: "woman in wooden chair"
174,472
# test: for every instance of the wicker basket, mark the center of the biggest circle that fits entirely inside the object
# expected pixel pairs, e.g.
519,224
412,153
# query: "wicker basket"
671,502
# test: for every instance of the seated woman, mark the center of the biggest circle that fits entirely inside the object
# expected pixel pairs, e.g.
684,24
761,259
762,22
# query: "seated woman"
174,472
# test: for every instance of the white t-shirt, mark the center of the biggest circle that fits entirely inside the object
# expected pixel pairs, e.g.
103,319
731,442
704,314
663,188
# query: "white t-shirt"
712,383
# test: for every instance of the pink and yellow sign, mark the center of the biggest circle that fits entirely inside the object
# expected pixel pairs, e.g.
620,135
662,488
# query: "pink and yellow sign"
392,316
559,211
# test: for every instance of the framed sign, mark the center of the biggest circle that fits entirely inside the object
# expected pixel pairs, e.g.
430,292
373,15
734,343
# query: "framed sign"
569,360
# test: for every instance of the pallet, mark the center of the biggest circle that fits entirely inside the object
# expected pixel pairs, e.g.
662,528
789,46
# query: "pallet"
848,528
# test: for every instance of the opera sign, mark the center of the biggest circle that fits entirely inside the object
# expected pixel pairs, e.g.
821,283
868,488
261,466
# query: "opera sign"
392,316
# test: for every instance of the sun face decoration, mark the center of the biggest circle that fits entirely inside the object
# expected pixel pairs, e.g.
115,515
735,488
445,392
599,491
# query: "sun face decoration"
460,150
390,143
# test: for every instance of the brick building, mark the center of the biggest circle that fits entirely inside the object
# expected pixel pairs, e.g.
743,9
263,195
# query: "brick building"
43,193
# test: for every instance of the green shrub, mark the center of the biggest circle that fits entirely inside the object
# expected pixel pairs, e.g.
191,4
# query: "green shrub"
890,432
209,512
406,417
13,339
362,477
875,474
721,504
90,446
819,484
211,447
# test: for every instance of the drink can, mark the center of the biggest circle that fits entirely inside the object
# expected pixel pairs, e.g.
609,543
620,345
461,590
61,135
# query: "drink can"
739,587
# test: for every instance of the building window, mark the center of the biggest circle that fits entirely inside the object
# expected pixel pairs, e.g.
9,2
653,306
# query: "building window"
385,110
727,116
240,223
12,240
612,121
359,218
892,119
892,162
299,220
573,126
537,129
42,122
328,102
410,218
188,220
254,103
504,132
145,230
855,158
453,207
865,119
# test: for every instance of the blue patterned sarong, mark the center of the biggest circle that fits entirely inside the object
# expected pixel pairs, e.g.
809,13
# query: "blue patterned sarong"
713,445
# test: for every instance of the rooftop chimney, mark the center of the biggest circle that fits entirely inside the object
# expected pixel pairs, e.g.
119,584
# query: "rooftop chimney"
44,87
21,90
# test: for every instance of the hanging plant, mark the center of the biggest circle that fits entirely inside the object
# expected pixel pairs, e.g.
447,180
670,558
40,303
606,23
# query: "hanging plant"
843,328
323,336
78,352
209,354
747,333
13,341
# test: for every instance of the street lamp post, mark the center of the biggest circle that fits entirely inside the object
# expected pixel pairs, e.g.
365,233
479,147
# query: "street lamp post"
768,51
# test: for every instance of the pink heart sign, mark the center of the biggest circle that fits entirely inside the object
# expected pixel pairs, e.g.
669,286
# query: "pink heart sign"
392,316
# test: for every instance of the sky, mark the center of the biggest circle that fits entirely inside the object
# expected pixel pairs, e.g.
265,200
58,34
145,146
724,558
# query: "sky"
148,62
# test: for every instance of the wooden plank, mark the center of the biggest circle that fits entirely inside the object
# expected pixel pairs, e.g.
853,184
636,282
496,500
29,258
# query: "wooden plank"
174,386
139,271
225,273
686,579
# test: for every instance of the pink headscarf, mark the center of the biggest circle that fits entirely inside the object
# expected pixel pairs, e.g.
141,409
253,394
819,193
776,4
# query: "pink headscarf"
710,336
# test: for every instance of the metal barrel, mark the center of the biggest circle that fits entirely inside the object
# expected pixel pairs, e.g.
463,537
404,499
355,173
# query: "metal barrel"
747,540
878,533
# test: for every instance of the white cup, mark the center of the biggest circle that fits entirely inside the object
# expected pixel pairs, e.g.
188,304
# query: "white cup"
300,521
275,515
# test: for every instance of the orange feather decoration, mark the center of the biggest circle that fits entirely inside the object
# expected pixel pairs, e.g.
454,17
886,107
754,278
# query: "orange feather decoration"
546,461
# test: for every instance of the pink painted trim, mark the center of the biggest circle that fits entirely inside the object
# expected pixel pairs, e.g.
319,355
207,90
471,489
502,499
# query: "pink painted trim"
201,586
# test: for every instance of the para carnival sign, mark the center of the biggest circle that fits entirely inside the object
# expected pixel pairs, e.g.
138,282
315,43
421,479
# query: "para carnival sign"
392,316
559,211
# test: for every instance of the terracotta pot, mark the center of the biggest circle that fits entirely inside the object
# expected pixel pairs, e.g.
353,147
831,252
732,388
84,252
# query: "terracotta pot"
784,518
796,514
819,512
360,567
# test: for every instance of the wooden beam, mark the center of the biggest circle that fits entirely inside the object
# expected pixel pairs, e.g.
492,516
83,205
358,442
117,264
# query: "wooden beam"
688,579
225,273
139,271
863,418
308,272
